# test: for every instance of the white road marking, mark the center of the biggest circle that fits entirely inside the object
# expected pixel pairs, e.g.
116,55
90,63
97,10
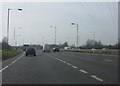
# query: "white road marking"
60,60
64,61
68,64
74,66
108,60
3,68
99,79
83,71
57,58
11,63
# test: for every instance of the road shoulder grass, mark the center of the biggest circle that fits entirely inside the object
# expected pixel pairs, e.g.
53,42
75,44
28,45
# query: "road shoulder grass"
6,54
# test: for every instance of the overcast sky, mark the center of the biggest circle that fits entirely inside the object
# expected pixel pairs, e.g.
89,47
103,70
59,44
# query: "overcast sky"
37,17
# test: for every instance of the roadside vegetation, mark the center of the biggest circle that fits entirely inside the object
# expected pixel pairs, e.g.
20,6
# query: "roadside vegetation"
6,50
6,54
96,47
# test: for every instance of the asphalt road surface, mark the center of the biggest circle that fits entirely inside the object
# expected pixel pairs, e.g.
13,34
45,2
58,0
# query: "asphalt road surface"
60,68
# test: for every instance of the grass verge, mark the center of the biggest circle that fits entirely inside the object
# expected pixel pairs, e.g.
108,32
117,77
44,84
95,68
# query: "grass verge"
6,54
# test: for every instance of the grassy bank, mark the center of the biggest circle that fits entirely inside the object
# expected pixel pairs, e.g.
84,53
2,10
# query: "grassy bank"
6,54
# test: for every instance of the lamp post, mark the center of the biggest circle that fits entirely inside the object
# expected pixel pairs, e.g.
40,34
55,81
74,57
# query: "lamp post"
55,34
8,20
17,40
77,33
15,32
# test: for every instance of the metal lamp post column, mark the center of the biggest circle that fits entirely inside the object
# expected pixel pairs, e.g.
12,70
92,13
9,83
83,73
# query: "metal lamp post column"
77,34
8,20
55,34
8,27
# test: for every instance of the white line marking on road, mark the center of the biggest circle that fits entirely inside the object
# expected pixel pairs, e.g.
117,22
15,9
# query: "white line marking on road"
68,64
64,61
108,60
11,63
83,71
3,68
60,60
57,58
99,79
74,66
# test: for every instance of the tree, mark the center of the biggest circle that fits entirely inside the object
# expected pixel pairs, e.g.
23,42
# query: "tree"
89,43
5,45
65,44
4,40
93,44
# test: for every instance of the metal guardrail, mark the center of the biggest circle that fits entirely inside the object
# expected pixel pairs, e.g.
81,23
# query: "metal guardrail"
97,51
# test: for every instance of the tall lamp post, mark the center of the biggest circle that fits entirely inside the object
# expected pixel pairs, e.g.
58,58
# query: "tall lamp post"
77,33
17,44
55,34
8,20
15,32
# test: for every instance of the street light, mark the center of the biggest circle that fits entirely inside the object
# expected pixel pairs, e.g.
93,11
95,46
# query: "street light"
17,40
8,23
15,33
55,34
77,32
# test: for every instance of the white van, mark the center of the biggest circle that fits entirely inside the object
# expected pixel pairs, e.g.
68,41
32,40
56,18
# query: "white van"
66,48
46,48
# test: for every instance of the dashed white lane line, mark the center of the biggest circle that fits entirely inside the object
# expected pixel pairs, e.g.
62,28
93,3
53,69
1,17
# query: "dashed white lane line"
57,59
83,71
68,64
64,61
11,63
108,60
99,79
61,60
74,66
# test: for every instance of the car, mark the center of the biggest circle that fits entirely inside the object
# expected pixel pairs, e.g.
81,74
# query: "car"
30,51
56,49
93,49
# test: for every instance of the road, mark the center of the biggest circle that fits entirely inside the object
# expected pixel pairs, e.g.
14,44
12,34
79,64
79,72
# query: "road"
61,68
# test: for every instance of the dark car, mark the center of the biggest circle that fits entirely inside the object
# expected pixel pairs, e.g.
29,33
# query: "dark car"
30,51
56,49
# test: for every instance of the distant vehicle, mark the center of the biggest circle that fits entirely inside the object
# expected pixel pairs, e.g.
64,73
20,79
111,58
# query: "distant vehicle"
103,49
46,48
30,51
66,48
25,46
56,49
93,49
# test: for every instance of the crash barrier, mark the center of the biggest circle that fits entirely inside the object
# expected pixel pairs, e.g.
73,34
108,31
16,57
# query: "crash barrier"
97,51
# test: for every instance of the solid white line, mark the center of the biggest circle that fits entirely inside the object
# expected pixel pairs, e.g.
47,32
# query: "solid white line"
83,71
3,68
99,79
68,64
108,60
12,63
74,66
